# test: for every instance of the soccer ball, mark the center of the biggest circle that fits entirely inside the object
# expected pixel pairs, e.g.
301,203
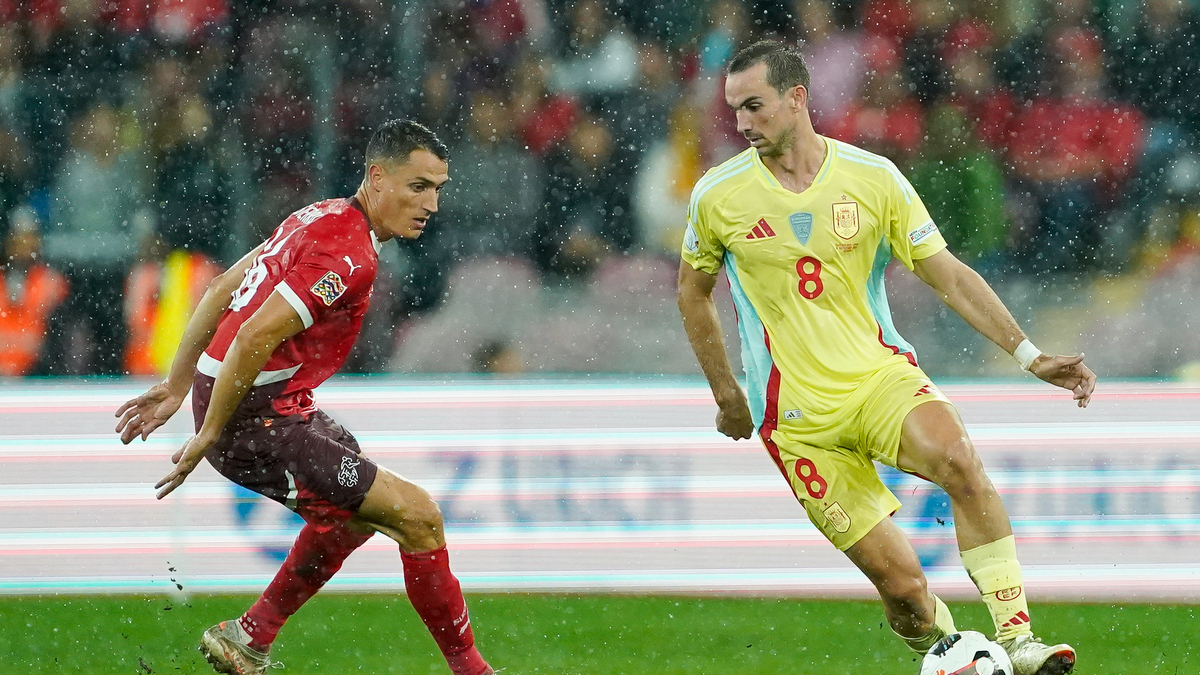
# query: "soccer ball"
966,653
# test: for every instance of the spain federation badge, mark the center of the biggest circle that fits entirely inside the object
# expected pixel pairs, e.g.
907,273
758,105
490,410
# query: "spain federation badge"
329,288
838,518
845,219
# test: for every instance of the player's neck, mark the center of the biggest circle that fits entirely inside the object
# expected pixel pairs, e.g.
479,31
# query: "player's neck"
797,166
364,203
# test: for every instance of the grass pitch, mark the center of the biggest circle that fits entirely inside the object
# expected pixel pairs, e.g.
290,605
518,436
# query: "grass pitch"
561,634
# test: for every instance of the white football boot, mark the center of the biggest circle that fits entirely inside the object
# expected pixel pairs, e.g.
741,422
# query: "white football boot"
227,648
1030,657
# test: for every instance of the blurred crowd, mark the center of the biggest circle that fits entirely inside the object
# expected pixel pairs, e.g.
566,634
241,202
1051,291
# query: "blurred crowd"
145,144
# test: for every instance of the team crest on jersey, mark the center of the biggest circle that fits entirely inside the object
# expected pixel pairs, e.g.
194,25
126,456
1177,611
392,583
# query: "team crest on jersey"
838,517
329,288
801,226
845,219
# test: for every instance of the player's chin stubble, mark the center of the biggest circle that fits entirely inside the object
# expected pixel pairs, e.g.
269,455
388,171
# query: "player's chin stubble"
776,149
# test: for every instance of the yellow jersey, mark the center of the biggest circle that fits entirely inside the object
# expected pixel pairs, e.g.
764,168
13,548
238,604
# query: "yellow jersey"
806,273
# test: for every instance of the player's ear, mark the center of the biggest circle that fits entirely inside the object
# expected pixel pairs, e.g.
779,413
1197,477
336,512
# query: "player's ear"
375,177
799,97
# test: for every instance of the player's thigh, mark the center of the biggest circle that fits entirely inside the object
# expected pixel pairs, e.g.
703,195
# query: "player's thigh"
934,444
838,488
897,393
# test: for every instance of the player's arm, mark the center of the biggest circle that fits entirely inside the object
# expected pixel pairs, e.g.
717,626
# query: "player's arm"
964,291
275,321
703,328
147,412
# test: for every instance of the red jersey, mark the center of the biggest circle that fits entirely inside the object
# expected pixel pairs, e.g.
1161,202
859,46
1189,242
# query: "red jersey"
322,260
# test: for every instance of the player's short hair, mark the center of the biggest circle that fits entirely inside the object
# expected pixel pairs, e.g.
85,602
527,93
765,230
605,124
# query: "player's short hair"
395,140
785,64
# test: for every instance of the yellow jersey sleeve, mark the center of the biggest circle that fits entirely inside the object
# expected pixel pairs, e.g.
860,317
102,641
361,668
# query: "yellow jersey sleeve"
909,229
701,247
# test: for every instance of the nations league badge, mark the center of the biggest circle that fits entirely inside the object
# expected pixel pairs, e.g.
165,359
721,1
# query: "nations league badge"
801,226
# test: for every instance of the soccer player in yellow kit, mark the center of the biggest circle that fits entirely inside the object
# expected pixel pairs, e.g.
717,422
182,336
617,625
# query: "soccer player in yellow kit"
804,226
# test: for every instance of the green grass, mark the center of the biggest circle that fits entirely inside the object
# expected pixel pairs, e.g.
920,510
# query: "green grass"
560,634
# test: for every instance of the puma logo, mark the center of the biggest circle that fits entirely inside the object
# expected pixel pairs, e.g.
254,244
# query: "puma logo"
351,264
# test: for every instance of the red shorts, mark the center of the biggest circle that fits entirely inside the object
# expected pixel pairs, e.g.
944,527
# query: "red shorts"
314,467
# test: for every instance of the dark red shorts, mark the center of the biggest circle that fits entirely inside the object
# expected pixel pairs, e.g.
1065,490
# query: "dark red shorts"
314,467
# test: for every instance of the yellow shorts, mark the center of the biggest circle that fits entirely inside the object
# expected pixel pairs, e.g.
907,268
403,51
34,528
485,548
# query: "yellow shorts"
828,458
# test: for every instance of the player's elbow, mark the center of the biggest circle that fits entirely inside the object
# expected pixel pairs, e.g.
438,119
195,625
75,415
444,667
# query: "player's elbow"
255,337
225,283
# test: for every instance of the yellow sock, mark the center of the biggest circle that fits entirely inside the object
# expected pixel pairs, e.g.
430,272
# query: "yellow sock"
943,625
997,574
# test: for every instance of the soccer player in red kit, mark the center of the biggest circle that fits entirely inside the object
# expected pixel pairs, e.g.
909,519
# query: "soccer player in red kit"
266,333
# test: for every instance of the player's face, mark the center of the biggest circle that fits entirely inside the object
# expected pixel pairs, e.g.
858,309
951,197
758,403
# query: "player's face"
764,116
408,192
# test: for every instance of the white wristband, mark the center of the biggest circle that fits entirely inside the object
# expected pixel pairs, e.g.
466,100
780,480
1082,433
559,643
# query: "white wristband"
1026,353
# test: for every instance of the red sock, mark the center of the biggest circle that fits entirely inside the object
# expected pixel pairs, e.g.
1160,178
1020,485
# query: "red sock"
438,599
317,554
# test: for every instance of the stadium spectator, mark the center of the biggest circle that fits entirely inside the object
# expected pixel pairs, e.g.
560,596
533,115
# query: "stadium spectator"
494,198
663,183
599,58
888,119
727,30
14,171
969,57
641,117
14,115
1156,67
834,57
923,63
542,119
75,59
585,208
962,184
29,292
97,208
189,186
1027,63
1070,150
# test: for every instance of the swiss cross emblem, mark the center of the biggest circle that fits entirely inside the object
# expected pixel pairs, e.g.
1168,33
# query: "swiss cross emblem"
329,288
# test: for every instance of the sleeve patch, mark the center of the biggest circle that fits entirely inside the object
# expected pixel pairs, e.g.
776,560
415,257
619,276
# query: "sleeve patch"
691,241
329,288
919,235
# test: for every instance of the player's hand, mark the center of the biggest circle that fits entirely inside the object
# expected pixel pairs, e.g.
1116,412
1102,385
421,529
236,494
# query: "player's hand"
1067,372
144,414
733,419
186,459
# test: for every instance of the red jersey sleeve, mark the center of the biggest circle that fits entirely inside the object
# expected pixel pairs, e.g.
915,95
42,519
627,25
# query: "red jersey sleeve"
324,278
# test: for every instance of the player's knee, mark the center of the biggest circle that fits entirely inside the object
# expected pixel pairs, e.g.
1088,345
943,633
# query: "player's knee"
906,593
423,526
961,473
